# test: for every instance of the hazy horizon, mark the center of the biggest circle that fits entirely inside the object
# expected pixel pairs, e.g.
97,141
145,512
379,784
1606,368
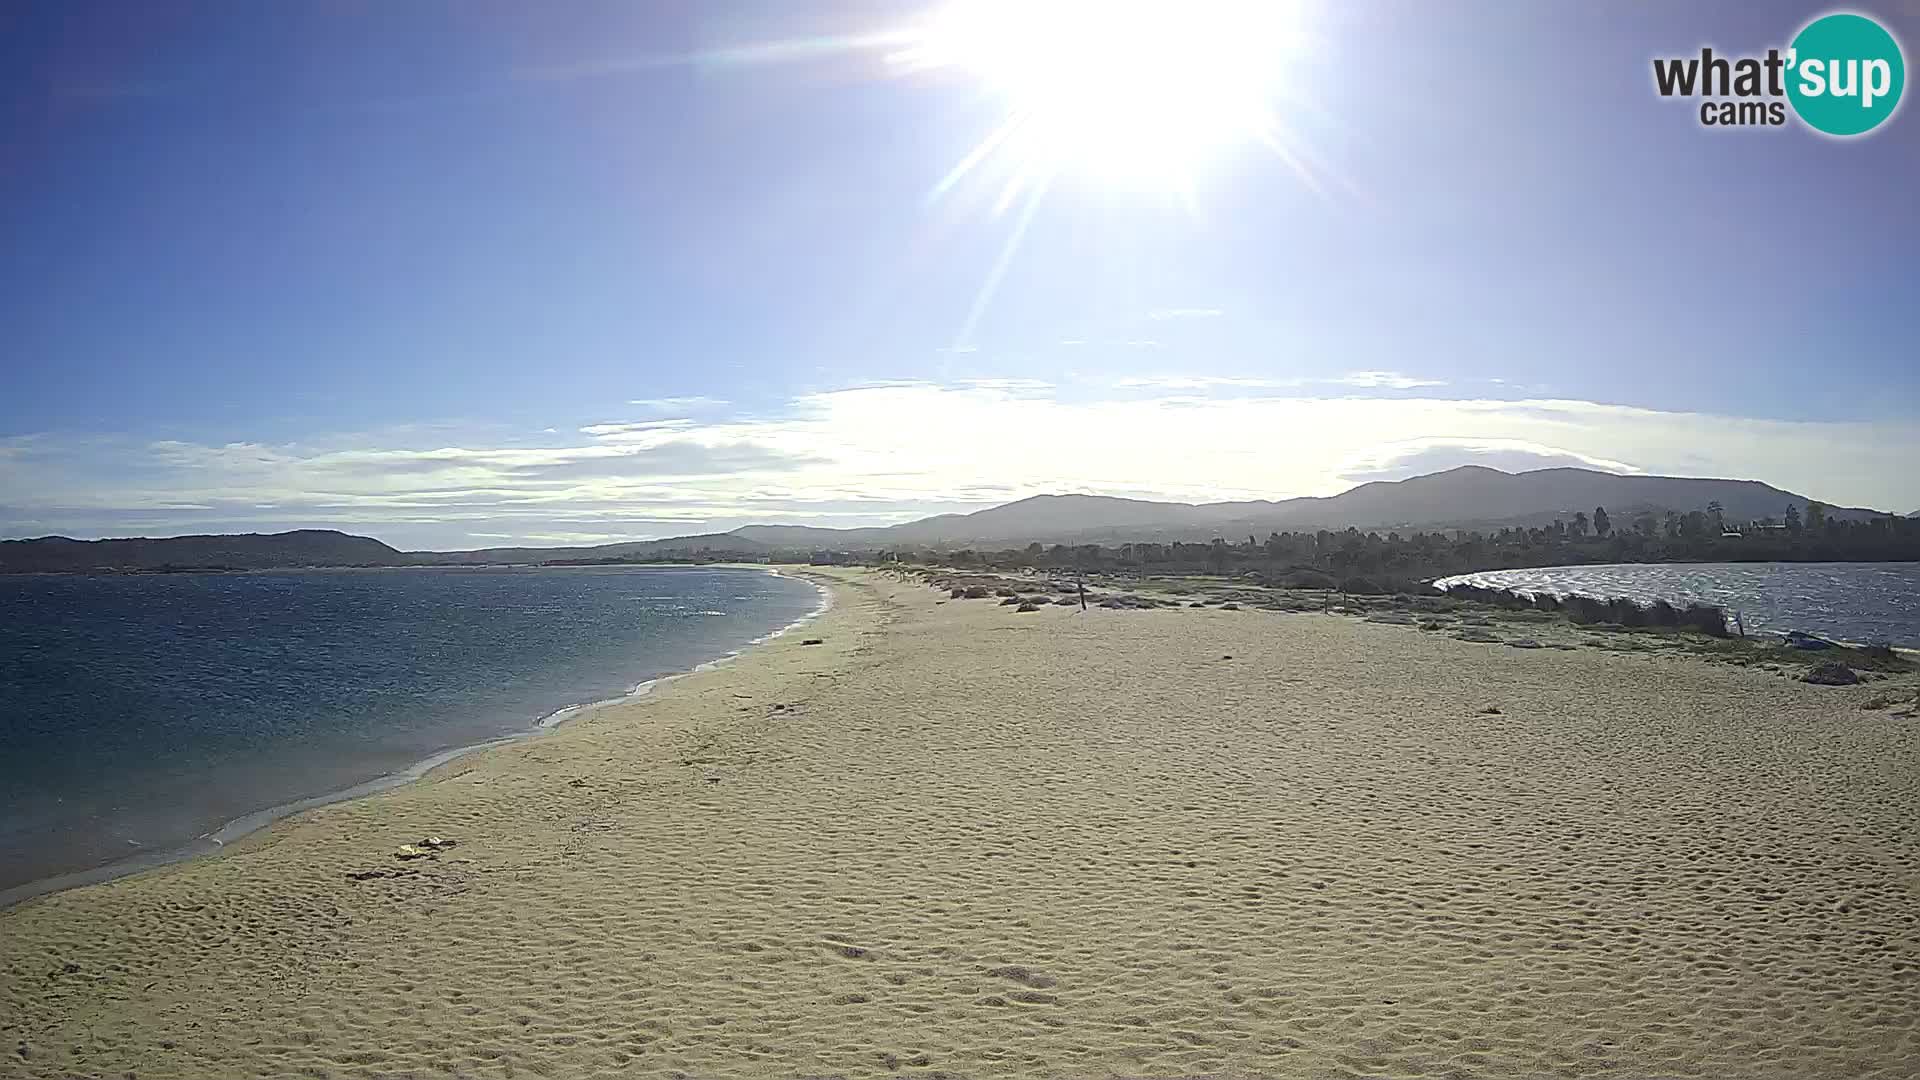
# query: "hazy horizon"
373,533
462,275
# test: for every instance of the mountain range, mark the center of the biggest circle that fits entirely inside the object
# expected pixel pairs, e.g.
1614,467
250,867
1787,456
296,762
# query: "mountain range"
1467,497
1470,496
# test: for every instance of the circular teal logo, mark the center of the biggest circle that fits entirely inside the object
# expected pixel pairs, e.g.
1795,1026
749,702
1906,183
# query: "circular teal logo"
1845,74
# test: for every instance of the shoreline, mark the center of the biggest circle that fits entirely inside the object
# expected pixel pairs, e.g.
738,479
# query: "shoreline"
955,838
641,689
215,841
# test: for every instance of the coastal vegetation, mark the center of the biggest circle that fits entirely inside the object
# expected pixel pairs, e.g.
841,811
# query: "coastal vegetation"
1376,563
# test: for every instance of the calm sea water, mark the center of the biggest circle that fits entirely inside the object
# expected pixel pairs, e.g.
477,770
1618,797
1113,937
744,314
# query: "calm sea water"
138,713
1865,602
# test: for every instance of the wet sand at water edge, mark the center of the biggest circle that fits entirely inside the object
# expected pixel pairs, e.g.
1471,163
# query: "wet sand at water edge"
956,839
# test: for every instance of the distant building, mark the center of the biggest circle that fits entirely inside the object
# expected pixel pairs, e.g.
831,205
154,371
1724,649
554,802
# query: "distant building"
831,558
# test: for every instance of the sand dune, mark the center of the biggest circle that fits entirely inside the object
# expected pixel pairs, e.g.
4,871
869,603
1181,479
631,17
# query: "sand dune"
955,839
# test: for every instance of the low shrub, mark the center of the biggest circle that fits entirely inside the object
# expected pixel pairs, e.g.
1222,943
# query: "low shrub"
1705,618
1626,612
1585,610
1831,673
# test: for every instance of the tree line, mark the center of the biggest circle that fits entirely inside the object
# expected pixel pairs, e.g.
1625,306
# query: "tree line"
1373,562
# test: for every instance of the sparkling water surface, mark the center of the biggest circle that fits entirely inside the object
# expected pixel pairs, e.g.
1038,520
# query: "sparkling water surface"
140,712
1861,602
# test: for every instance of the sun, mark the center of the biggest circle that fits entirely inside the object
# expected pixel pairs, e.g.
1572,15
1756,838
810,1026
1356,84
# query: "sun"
1145,93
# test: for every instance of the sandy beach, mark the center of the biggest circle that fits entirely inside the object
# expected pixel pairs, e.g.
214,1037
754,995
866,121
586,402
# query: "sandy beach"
955,839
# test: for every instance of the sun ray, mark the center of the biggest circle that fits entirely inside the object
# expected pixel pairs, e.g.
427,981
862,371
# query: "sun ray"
1141,96
981,151
1008,250
1270,137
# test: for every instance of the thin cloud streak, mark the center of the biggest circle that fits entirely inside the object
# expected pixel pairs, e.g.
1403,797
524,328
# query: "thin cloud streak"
1392,380
694,403
1372,380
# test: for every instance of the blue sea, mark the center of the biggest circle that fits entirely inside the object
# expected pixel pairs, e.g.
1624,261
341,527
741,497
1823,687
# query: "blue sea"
1859,602
143,717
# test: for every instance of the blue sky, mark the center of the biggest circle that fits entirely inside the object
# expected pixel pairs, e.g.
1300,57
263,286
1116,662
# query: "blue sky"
467,273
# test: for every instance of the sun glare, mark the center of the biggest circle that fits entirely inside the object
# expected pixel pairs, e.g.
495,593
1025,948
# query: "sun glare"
1127,92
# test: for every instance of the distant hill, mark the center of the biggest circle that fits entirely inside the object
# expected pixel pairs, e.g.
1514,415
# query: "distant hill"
248,551
1475,496
1038,517
1469,497
635,549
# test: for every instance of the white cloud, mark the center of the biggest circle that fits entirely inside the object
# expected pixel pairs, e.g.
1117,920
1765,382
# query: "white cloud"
1011,386
1203,382
1392,461
608,430
695,403
1163,314
882,453
1390,379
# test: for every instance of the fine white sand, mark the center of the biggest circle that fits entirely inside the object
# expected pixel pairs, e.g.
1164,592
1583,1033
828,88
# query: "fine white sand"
954,839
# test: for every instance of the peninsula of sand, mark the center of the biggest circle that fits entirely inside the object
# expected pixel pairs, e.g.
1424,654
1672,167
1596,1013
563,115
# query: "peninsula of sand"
954,838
